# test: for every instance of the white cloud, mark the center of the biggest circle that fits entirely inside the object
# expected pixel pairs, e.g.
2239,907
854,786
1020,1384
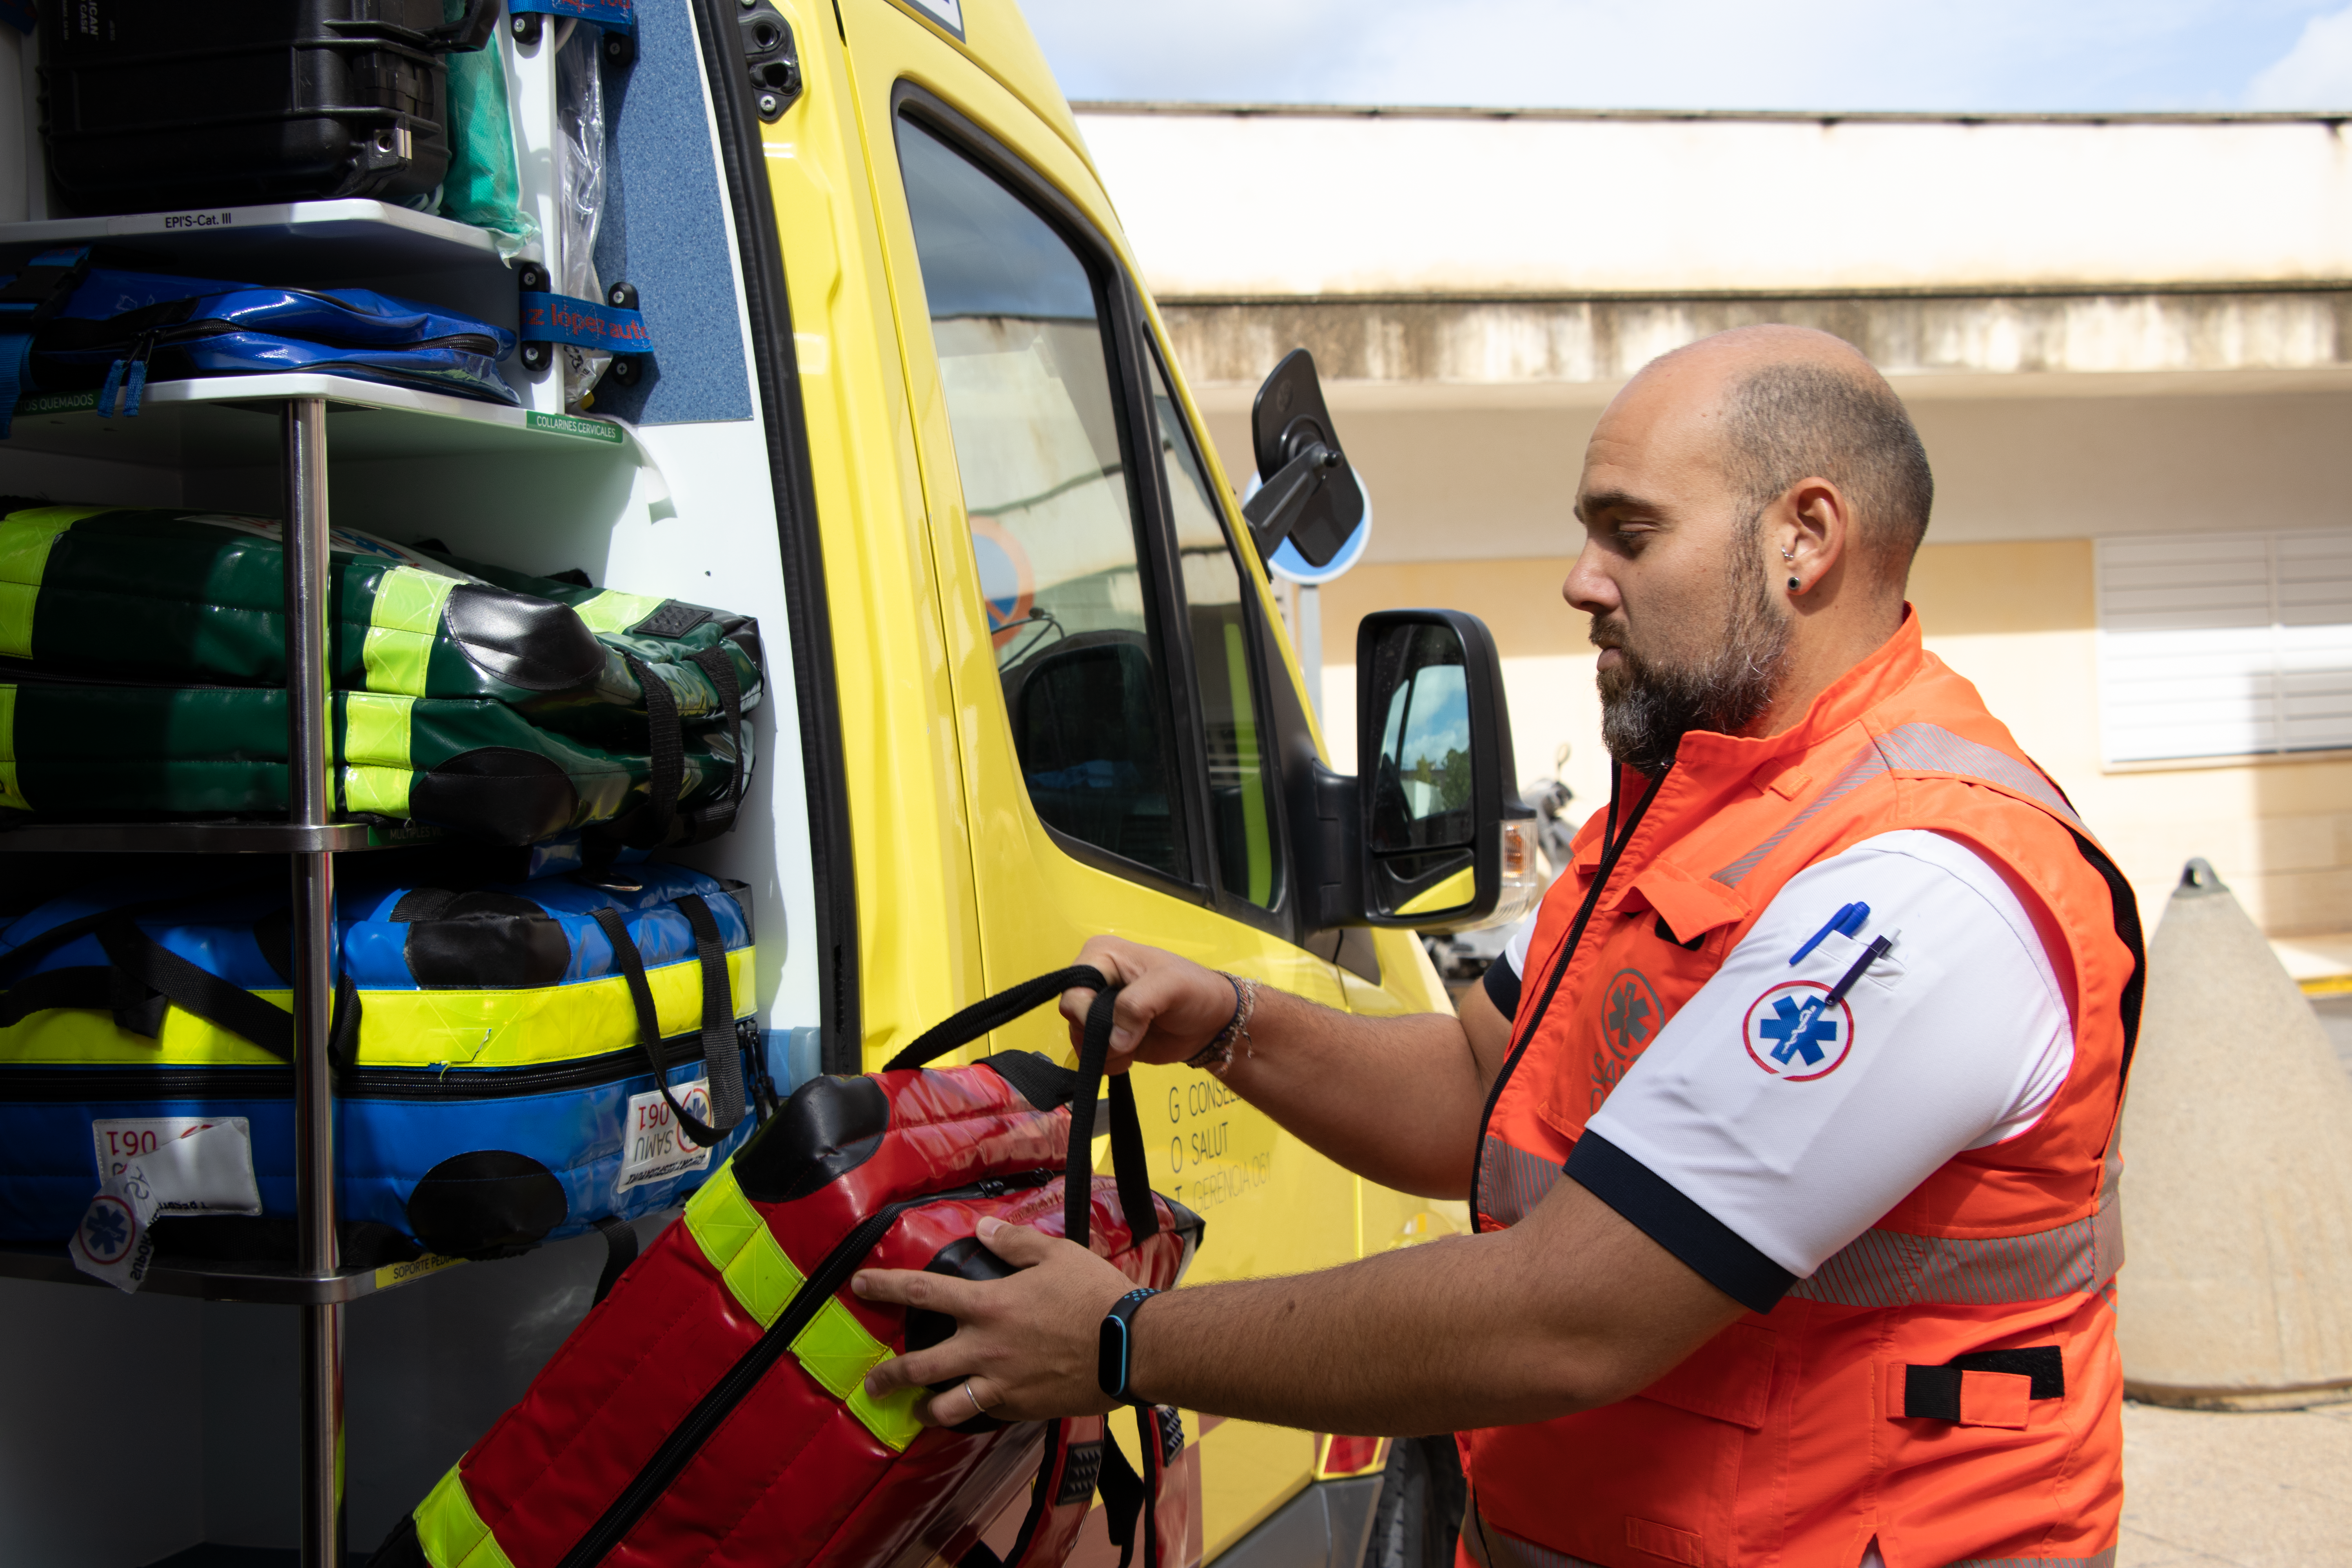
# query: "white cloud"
2315,74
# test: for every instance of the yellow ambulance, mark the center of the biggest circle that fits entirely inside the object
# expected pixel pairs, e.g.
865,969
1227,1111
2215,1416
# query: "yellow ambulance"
909,402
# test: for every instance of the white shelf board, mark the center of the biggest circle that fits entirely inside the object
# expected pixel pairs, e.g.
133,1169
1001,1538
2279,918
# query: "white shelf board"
233,422
318,238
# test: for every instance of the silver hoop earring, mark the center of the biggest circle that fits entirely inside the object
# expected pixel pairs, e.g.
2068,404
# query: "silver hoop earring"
1785,555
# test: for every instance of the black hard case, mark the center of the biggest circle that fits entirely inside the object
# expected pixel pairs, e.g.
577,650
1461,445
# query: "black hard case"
154,105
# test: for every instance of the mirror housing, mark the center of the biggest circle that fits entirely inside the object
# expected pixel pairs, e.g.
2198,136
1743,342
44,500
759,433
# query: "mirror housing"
1443,842
1308,493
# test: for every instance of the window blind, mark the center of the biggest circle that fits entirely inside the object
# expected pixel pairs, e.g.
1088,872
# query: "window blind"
2225,645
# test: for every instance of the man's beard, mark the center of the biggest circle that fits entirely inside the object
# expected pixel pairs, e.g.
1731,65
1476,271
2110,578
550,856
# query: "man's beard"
1647,706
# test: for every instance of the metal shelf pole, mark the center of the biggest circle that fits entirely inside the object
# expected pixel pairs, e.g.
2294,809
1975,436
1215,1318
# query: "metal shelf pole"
309,739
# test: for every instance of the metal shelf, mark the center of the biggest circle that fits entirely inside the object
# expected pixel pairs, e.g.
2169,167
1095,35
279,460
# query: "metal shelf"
266,1284
317,244
307,239
208,838
234,422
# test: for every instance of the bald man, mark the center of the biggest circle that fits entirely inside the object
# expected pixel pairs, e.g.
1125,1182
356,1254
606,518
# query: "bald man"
1785,1124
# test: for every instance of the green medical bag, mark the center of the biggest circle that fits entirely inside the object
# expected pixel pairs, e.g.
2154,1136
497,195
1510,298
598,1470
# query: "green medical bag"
108,749
175,595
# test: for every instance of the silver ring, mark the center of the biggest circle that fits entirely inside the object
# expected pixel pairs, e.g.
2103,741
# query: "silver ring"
977,1410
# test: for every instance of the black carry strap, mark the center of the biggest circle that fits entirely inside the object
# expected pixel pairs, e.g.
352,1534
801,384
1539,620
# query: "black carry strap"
667,744
141,962
84,985
724,1062
620,1251
1126,1500
142,976
1130,1501
1126,1136
701,1134
717,817
991,1012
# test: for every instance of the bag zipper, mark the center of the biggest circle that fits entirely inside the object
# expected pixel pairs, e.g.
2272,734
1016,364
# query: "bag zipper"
67,1085
686,1440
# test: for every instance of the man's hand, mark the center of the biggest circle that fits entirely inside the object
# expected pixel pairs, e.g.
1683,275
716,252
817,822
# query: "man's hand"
1170,1007
1024,1348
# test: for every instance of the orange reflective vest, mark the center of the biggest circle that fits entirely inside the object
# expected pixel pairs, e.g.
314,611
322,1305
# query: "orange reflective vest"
1948,1383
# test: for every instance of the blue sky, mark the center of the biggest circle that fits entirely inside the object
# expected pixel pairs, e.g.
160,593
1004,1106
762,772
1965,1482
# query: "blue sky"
1989,55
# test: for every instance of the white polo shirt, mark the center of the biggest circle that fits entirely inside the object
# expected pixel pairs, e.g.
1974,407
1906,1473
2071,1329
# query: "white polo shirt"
1794,1122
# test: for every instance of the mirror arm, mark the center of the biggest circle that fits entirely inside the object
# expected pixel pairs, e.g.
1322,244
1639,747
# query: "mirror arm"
1275,511
1333,858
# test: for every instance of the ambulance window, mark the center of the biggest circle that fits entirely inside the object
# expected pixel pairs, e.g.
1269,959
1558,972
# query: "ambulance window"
1241,816
1024,364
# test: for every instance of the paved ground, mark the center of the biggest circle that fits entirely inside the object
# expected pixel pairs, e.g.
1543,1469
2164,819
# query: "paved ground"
2272,1491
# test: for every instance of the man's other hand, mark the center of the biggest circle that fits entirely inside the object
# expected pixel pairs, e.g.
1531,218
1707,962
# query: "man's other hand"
1170,1007
1024,1348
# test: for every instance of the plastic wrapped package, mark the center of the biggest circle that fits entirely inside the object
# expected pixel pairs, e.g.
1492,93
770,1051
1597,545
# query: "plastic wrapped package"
484,185
580,192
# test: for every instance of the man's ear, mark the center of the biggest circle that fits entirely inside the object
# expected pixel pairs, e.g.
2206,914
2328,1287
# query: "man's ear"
1815,532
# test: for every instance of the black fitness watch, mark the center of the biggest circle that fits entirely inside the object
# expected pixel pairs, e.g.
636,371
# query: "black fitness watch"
1115,1355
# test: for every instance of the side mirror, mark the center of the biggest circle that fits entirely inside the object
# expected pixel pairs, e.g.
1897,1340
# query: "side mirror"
1446,844
1308,493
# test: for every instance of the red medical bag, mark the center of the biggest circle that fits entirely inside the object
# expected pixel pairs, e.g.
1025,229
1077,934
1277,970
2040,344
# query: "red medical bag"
711,1412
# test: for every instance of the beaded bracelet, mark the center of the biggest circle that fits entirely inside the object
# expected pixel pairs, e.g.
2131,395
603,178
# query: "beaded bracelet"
1218,1054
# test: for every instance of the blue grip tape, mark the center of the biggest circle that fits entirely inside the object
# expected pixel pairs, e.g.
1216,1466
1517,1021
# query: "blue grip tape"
561,319
613,15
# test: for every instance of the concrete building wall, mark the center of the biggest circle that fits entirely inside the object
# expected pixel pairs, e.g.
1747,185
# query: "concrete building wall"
2102,330
1257,204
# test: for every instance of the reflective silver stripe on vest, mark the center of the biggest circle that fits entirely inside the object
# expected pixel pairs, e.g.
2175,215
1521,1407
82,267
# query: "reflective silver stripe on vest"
1492,1548
1914,748
1512,1182
1893,1268
2098,1560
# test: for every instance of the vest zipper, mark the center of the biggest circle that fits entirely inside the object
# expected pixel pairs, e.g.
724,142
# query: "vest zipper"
679,1448
1612,849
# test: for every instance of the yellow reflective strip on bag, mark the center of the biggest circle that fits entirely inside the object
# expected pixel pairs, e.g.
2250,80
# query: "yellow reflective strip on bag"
26,538
740,1244
835,1348
383,790
375,729
451,1532
763,1279
12,793
77,1037
721,1219
838,1352
403,1028
612,611
402,625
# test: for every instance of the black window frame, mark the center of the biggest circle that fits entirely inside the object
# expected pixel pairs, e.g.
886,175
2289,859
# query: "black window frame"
1282,916
1128,339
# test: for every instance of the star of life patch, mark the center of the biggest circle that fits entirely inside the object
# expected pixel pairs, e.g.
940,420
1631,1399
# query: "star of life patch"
1795,1033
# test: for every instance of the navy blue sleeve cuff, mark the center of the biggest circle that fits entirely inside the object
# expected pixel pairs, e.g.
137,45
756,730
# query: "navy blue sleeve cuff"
1653,1205
1502,985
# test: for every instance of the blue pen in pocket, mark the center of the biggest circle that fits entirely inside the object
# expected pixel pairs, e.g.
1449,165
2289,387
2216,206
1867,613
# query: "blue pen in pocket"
1845,922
